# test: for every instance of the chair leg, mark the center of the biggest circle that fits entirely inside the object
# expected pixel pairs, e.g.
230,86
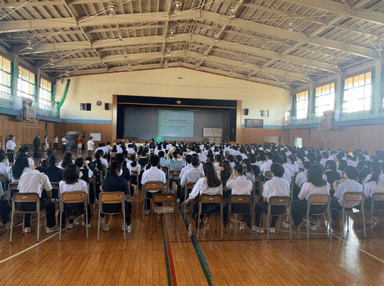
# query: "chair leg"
362,211
198,221
98,223
12,214
151,222
174,214
60,220
308,223
267,227
372,209
290,227
125,224
330,221
38,224
86,221
221,221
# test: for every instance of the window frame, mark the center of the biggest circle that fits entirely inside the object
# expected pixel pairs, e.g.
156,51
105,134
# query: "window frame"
323,95
302,98
362,84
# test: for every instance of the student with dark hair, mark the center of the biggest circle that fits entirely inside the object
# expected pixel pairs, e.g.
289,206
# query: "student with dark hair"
374,185
277,186
331,173
226,173
368,177
349,185
67,159
350,161
115,183
24,149
20,167
36,145
341,168
247,170
267,165
208,185
11,145
124,172
54,173
153,174
192,175
4,169
316,184
84,169
73,183
325,158
254,166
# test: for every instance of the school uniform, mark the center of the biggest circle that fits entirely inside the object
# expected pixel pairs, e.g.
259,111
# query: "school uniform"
10,175
274,187
35,182
184,170
300,164
337,202
370,189
74,209
288,173
11,145
153,174
351,163
323,161
381,177
55,142
239,186
266,167
192,175
202,158
90,145
299,207
201,188
104,162
5,209
332,176
64,143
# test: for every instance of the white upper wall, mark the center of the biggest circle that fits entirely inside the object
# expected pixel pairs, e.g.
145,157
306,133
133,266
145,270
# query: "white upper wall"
171,82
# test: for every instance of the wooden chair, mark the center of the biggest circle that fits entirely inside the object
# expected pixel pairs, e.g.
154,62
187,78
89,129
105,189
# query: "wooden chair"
318,200
257,187
211,199
277,201
187,189
243,200
111,198
92,182
352,198
378,197
151,187
3,180
73,198
25,198
165,170
164,209
136,174
100,174
173,173
12,189
55,191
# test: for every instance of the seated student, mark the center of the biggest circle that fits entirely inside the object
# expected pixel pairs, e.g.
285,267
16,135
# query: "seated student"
153,174
176,163
72,183
25,150
5,209
54,173
108,147
124,173
300,161
188,166
341,168
231,161
67,159
114,183
292,164
84,169
277,186
6,161
35,182
267,165
248,171
350,161
331,173
20,167
325,158
192,175
4,170
226,172
239,185
316,184
368,177
208,185
100,148
349,185
254,166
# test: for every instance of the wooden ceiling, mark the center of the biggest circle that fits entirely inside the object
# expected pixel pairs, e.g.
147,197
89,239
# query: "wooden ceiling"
285,43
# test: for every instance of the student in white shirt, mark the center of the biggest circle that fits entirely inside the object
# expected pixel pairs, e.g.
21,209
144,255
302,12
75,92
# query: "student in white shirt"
11,145
350,161
55,142
25,150
153,174
72,183
4,169
20,167
90,145
35,182
277,186
67,159
192,175
64,143
267,165
239,185
374,185
316,184
349,185
109,147
325,158
209,185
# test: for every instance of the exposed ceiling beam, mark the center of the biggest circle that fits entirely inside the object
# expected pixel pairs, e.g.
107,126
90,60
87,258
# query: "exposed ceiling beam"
34,3
342,10
25,25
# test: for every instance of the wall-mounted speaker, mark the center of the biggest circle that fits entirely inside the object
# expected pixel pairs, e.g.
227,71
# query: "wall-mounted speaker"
246,110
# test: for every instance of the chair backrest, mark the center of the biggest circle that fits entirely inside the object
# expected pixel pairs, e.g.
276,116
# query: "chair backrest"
2,178
25,197
378,197
165,169
353,198
241,199
99,173
318,200
154,186
174,173
164,198
279,201
92,180
111,198
55,185
134,173
211,198
73,197
226,153
190,186
13,185
268,174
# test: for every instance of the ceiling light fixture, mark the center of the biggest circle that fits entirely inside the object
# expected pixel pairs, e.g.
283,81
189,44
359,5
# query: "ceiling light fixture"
166,64
244,63
120,40
29,47
290,26
177,7
232,11
215,37
168,53
125,55
51,63
197,66
129,67
112,9
171,32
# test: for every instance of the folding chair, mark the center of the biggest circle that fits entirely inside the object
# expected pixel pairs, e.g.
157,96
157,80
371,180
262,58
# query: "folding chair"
378,197
243,200
277,201
55,190
111,198
136,174
353,198
151,187
173,173
188,188
73,198
211,199
113,155
25,198
12,189
100,174
164,209
318,200
92,188
268,175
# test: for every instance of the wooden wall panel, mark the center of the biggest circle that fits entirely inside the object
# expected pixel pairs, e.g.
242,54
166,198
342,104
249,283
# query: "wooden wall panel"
249,135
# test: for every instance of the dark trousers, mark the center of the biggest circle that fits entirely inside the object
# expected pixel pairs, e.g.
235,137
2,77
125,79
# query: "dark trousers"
90,152
236,208
206,208
263,207
44,204
11,155
64,148
114,208
147,201
36,153
5,209
177,185
377,206
336,208
55,146
299,210
74,210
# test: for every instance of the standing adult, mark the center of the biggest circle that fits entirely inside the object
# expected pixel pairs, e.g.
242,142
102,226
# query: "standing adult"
64,142
55,142
36,146
46,143
79,144
11,145
90,145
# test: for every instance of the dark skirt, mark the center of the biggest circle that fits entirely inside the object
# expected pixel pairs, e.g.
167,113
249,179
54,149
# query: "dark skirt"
206,208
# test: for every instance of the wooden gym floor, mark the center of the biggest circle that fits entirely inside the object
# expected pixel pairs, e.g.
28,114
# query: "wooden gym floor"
237,260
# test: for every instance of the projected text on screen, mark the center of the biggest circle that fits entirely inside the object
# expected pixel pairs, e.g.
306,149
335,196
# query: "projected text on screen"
175,123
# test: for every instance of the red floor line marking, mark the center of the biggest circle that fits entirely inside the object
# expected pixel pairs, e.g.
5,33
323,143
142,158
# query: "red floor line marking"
171,266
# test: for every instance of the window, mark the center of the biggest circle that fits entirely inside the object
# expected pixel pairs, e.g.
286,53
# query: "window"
302,105
26,83
357,93
45,93
85,106
325,98
264,113
5,76
107,106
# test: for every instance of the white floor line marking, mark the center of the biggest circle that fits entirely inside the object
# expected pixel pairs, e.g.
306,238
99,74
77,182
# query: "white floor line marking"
29,248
